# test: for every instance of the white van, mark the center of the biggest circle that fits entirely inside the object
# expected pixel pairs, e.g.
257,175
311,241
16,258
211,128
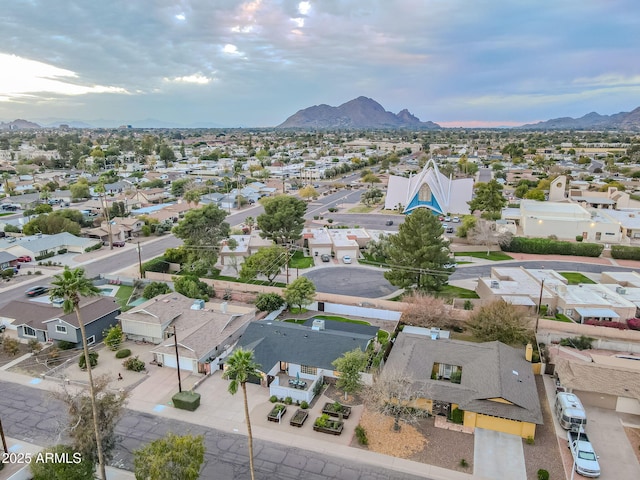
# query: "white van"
569,411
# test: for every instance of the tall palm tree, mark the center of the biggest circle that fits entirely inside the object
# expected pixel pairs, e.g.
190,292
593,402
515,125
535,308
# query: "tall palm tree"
70,285
238,368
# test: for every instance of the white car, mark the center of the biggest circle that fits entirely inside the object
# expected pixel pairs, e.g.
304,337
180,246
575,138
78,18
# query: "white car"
456,220
346,259
447,218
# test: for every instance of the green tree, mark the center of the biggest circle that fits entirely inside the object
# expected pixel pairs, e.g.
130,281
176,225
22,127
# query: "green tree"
535,194
154,289
179,186
51,224
378,249
166,154
113,337
300,292
308,192
268,302
488,198
79,191
283,219
349,366
468,222
71,286
371,178
500,321
191,286
267,261
192,196
77,468
418,253
372,195
202,230
156,183
170,457
521,190
239,367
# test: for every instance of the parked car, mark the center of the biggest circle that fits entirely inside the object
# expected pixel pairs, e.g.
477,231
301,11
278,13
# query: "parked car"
441,218
36,291
456,220
25,258
346,259
389,222
2,328
447,218
585,458
449,230
325,258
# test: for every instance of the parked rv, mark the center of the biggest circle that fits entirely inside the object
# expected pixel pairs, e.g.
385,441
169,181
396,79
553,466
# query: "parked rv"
569,411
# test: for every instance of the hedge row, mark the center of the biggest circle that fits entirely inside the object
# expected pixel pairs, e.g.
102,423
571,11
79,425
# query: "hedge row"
546,246
158,264
625,253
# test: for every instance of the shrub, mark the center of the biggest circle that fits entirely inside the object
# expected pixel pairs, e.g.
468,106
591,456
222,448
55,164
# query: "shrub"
361,434
97,246
468,305
464,463
530,440
634,323
273,399
8,273
93,360
113,337
457,416
322,420
581,343
11,346
545,246
64,345
159,265
543,474
45,255
186,400
154,289
124,353
62,251
268,302
330,220
456,376
579,238
35,345
134,364
304,405
288,400
607,323
625,253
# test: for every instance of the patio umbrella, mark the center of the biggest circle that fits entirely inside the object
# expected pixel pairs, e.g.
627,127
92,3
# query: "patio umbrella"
297,376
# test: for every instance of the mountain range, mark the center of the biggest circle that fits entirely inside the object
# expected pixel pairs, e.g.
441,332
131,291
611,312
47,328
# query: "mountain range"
359,113
591,121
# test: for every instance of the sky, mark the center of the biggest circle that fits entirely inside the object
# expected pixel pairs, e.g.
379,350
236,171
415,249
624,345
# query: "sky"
228,63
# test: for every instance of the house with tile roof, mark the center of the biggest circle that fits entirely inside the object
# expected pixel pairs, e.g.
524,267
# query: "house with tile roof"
294,358
490,382
44,321
204,332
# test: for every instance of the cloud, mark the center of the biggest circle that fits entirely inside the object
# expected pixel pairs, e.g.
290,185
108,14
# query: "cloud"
196,78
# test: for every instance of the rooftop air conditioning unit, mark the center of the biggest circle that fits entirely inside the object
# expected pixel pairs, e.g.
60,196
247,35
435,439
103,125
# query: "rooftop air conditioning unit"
198,305
317,324
495,284
621,290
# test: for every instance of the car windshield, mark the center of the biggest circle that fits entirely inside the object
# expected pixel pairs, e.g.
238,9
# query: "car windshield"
587,456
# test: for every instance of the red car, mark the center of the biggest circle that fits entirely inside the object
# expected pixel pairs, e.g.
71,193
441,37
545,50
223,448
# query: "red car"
25,258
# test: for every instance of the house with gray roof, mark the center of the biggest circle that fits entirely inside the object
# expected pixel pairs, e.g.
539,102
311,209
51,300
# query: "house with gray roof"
204,332
490,382
38,245
45,321
293,358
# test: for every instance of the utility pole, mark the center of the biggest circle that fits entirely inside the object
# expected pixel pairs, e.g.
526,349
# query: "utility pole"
175,343
4,440
140,261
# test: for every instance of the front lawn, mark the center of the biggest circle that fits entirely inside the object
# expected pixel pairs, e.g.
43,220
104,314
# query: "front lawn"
451,291
494,256
361,209
576,278
341,319
562,318
371,260
300,261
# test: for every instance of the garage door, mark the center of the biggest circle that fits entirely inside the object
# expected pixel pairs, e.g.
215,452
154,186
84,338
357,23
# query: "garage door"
185,363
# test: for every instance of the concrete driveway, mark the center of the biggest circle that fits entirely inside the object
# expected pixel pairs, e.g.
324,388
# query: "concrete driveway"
498,456
609,440
350,280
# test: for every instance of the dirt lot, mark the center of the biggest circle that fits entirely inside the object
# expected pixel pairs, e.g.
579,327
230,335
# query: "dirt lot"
5,358
634,439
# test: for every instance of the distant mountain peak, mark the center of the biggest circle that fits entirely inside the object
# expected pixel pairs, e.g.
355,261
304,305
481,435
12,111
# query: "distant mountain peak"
591,121
359,113
18,124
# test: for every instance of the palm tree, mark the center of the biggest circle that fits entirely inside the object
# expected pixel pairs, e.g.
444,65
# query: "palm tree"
70,285
238,368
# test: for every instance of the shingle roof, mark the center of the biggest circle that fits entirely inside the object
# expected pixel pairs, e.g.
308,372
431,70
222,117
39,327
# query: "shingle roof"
490,370
592,377
273,342
159,310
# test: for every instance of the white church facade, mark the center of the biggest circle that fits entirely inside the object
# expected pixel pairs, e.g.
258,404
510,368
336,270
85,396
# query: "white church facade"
429,189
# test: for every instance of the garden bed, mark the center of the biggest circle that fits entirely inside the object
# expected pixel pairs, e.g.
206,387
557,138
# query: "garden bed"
277,412
299,418
325,425
336,409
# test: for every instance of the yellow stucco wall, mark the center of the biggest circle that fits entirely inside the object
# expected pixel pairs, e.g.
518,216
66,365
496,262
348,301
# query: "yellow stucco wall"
477,420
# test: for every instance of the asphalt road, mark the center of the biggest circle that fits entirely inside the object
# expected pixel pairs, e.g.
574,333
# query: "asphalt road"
32,415
351,280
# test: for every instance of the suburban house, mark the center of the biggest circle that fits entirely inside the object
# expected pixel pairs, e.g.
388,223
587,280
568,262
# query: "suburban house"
611,382
491,382
121,229
39,245
294,358
47,322
204,331
340,242
7,260
246,246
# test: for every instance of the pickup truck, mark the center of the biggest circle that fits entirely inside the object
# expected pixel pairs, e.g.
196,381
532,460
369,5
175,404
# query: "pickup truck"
584,457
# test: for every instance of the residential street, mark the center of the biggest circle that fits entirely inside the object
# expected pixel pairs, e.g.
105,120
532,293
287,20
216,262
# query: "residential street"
30,414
